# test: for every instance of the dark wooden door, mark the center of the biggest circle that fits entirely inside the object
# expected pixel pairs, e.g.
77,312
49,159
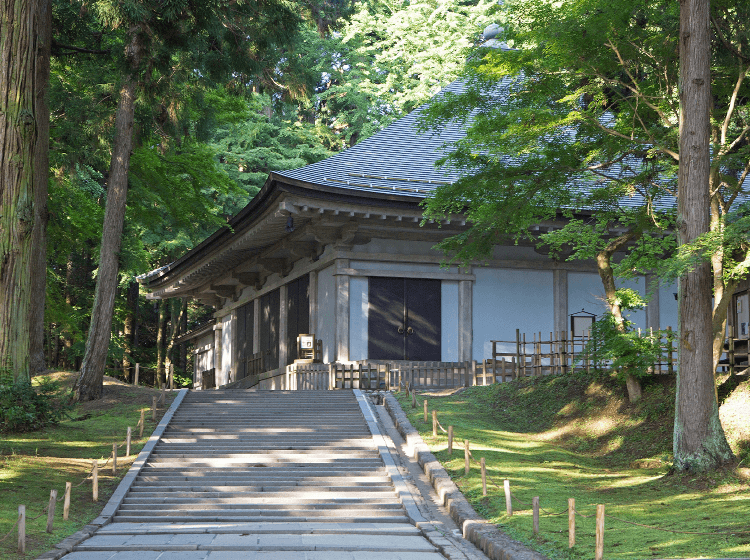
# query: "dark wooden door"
404,319
297,313
269,329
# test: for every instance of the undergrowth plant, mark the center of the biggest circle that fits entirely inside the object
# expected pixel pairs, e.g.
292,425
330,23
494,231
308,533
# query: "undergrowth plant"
25,408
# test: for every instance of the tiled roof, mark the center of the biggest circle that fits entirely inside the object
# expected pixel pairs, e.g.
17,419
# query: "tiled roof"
397,159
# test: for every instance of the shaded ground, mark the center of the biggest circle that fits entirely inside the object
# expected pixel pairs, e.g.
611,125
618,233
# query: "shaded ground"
577,437
32,464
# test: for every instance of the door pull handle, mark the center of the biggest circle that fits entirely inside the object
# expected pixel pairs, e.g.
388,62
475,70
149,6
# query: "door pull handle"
409,331
401,330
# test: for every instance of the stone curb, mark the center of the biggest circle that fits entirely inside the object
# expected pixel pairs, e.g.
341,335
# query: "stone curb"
483,534
67,544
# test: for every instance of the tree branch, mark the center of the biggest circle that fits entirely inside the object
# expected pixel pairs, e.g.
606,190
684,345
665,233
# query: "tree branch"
57,49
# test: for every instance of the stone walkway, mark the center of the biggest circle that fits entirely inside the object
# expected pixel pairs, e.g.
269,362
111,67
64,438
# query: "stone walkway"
269,475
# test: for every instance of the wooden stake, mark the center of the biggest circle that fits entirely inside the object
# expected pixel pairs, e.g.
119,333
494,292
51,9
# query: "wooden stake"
51,509
434,423
114,459
163,396
127,442
571,522
22,529
508,498
137,371
535,508
425,410
66,502
142,422
484,477
466,457
95,481
450,440
413,399
153,409
599,553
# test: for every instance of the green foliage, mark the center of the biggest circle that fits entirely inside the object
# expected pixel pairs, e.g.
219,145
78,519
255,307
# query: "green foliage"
25,408
250,149
391,57
620,348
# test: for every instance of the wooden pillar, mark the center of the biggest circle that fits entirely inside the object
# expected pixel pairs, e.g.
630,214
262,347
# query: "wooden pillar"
217,351
284,351
560,299
342,311
465,320
313,297
256,325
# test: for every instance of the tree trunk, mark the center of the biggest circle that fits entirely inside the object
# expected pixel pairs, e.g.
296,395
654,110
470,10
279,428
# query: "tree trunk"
182,364
699,441
37,362
178,309
19,24
90,381
131,315
161,337
607,275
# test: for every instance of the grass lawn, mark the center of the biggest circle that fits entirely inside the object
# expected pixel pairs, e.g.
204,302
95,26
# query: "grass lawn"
576,437
32,464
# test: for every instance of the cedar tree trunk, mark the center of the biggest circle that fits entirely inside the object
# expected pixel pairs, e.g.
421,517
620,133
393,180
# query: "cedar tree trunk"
19,21
90,381
699,441
37,363
131,316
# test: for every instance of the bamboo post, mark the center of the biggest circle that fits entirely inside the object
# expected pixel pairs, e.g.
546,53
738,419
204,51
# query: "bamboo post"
22,529
127,442
563,352
450,440
51,510
652,340
474,372
571,522
424,402
434,423
114,459
599,553
153,409
731,351
466,457
95,482
523,352
508,498
141,422
535,508
484,477
553,362
137,371
66,502
494,361
670,355
518,354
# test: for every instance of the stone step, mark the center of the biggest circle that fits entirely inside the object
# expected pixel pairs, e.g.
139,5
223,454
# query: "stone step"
302,498
285,527
330,517
226,487
265,542
260,505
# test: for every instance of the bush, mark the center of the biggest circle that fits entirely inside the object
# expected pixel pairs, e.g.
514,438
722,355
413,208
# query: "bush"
24,408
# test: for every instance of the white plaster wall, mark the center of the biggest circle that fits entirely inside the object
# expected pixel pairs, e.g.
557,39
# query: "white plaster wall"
358,317
585,291
227,341
668,306
505,300
449,321
326,328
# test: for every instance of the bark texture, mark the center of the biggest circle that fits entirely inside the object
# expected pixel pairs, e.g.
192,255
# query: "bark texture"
699,441
90,381
131,316
37,363
19,21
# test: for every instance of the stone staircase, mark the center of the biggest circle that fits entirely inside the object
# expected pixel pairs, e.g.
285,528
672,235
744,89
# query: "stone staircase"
271,475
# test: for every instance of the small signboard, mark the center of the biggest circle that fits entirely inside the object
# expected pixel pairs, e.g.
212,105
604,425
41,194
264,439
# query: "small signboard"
581,323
